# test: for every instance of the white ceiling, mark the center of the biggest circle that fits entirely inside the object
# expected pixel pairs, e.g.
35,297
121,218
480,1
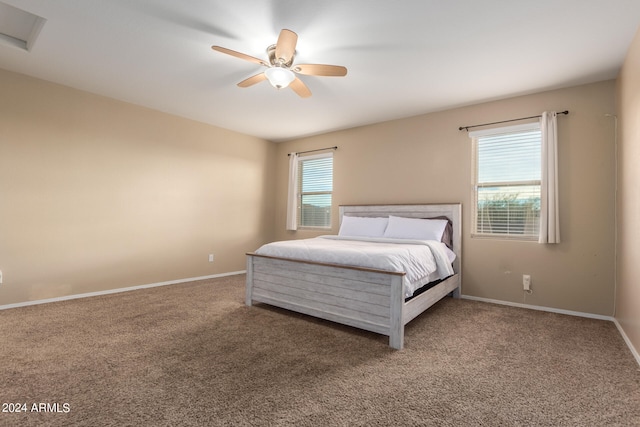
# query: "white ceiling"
405,57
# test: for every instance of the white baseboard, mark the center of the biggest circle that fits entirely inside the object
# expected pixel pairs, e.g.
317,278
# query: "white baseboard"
539,308
118,290
634,352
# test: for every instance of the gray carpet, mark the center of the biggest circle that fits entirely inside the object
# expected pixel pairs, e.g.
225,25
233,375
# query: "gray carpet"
193,354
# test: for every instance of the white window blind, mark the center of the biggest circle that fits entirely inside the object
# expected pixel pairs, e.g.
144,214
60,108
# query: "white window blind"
507,182
315,187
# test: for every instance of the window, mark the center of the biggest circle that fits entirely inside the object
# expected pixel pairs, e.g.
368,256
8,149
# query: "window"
315,187
506,187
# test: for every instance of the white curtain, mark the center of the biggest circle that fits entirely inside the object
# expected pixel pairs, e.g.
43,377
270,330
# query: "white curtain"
292,197
549,215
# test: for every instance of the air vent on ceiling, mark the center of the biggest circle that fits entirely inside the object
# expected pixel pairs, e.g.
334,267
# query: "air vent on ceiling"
19,28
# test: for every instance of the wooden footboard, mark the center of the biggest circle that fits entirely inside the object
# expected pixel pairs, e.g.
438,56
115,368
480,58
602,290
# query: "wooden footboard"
368,299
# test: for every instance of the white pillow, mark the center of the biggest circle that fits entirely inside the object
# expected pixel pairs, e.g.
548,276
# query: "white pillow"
415,228
362,226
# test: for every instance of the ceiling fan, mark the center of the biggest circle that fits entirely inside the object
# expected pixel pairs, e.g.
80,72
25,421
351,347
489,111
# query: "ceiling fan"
280,69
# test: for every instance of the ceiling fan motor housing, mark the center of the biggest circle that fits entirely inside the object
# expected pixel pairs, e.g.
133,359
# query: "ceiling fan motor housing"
271,53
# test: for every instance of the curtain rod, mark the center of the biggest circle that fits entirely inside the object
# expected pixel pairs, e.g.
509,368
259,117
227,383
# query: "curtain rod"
506,121
319,149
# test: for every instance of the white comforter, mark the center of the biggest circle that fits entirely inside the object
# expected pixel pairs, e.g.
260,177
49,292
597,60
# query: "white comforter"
420,260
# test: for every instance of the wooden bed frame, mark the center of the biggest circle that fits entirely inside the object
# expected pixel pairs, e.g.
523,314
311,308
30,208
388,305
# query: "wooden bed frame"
364,298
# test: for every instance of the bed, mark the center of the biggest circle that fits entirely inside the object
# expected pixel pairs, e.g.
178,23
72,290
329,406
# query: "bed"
368,298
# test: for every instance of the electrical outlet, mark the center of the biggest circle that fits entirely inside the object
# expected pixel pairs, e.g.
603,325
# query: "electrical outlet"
526,282
210,257
0,276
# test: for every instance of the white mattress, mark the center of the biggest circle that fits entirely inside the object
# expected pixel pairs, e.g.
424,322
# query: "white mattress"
422,261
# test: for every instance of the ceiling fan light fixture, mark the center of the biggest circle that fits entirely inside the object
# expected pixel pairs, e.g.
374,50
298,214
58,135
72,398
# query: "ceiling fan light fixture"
279,77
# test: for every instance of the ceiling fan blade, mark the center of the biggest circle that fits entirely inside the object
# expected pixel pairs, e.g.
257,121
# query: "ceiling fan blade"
320,70
239,55
300,88
286,45
253,80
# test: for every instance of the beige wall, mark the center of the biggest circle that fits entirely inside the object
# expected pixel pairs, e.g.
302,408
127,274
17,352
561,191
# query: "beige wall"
628,263
98,194
426,159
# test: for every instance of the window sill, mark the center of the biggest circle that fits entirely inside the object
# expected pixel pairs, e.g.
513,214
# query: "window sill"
512,238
